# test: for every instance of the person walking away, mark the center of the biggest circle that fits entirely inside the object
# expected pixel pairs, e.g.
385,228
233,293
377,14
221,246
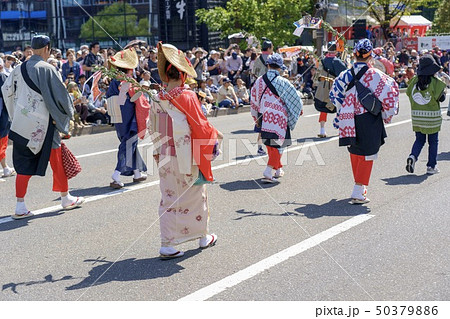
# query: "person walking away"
40,108
361,127
188,144
273,96
126,121
425,91
329,68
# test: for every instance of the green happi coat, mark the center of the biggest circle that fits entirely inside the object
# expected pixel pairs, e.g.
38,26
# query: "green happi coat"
425,108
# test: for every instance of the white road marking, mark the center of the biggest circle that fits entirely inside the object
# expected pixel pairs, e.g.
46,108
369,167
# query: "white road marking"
107,151
271,261
150,184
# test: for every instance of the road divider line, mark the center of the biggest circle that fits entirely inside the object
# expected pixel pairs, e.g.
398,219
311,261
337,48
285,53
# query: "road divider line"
269,262
150,184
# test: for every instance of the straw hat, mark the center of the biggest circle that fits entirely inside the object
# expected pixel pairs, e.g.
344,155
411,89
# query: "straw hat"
126,59
190,81
167,52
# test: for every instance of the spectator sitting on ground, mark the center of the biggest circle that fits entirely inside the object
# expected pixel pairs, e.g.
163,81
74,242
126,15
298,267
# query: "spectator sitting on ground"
241,91
206,107
226,96
145,77
211,86
191,84
209,98
83,87
80,104
97,109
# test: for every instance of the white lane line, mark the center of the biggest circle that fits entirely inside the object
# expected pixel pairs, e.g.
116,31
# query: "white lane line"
107,151
146,185
89,199
269,262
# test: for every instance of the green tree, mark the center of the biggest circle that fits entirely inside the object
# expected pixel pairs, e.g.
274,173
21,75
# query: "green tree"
118,20
441,21
386,10
262,18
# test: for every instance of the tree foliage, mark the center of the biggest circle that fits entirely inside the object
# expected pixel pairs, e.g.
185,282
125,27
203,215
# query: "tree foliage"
118,20
386,10
262,18
441,21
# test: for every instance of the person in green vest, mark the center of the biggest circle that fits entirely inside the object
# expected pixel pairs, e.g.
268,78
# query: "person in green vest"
425,92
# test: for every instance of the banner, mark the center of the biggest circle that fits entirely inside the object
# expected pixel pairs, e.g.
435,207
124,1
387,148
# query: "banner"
292,51
428,43
306,22
412,43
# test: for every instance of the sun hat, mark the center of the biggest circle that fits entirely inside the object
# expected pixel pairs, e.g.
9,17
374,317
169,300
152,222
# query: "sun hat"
126,59
277,60
190,81
213,52
169,53
145,83
427,66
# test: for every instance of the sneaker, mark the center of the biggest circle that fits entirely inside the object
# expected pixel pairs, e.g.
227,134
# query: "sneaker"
410,163
261,151
432,171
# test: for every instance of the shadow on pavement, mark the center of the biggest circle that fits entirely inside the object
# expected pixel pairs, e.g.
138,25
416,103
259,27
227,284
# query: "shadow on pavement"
244,132
246,185
47,279
24,222
131,269
409,179
332,208
444,156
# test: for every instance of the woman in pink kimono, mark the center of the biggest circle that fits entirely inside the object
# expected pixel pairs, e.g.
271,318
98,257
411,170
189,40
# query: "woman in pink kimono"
185,146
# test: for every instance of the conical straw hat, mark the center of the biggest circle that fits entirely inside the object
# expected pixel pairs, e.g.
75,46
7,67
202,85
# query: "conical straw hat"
167,52
126,59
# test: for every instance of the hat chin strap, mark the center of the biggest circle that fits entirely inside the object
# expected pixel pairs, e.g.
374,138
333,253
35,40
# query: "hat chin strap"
182,74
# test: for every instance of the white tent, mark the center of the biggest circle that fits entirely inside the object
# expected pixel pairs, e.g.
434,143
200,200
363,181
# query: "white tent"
416,20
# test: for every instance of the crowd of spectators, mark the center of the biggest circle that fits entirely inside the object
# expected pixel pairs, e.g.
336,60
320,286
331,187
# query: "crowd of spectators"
224,76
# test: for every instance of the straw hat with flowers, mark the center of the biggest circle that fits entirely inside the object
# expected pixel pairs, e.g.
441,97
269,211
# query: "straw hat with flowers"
169,53
126,59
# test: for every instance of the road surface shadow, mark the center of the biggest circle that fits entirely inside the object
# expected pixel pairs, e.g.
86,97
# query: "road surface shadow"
47,279
14,224
239,158
93,191
248,213
131,269
244,132
408,179
444,156
246,185
332,208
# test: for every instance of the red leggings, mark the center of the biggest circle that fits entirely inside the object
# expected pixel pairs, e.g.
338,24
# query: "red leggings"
3,146
60,182
323,117
361,169
274,157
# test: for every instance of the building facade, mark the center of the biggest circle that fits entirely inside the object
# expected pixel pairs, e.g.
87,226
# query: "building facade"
170,21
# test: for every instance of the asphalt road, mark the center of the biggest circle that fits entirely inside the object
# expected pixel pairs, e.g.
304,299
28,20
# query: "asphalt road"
298,240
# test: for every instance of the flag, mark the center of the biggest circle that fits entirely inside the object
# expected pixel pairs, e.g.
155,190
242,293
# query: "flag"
95,91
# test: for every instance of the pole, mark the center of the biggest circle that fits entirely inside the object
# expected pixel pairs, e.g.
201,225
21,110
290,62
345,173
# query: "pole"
187,25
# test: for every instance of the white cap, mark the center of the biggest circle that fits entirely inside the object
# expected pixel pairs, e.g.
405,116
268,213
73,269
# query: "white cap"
145,83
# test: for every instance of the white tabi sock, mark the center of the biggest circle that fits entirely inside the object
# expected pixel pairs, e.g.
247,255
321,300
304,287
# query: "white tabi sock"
358,192
21,209
68,200
268,171
322,131
116,176
137,173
